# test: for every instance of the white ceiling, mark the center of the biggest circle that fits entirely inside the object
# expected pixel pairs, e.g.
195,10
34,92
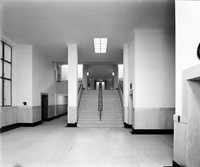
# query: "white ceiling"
51,24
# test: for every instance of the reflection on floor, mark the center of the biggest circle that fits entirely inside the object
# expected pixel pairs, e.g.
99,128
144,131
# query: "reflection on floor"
53,145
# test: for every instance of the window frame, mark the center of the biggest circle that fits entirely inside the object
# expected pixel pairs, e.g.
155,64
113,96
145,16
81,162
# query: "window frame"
3,78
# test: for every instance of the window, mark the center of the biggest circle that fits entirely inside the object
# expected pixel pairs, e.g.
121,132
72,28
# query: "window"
6,74
64,72
120,71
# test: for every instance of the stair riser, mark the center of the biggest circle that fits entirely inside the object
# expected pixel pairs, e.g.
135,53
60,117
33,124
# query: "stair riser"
111,114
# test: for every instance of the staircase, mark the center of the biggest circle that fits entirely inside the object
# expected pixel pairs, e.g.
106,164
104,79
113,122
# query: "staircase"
111,114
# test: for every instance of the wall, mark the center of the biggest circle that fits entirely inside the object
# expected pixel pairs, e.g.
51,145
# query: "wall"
32,74
61,104
24,75
131,67
43,80
187,39
154,87
62,87
100,71
24,83
21,86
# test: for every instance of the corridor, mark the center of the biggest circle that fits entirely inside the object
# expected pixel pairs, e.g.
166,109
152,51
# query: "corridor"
54,145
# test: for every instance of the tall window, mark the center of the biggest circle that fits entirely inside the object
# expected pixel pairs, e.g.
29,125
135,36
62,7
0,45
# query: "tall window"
6,74
120,71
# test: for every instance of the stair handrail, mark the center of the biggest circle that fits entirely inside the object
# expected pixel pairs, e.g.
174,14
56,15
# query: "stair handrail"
80,92
120,91
100,101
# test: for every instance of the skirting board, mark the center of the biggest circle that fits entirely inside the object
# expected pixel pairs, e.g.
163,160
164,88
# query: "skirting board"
71,125
176,164
30,124
55,117
9,127
127,125
18,125
152,131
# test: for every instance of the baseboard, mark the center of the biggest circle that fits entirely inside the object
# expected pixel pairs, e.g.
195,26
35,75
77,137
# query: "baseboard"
175,164
9,127
127,125
72,125
58,116
30,124
152,131
50,119
18,125
55,117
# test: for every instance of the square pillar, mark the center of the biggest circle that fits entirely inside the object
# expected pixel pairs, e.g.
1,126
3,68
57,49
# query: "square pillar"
85,77
72,85
126,85
115,70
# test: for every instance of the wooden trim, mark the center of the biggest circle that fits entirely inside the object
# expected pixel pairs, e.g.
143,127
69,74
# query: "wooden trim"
152,131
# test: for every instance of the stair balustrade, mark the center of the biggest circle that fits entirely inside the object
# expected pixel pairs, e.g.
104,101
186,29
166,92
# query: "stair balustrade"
100,101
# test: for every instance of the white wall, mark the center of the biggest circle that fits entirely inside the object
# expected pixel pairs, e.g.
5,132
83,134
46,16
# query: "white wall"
24,75
154,70
187,40
131,53
43,78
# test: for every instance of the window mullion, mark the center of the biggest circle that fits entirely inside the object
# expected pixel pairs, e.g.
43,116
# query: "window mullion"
6,82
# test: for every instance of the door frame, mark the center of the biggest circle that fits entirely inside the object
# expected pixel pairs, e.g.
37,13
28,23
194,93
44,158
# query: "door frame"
44,94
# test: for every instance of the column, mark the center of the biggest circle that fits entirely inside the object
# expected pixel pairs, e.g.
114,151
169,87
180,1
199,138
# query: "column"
72,84
85,70
115,70
125,84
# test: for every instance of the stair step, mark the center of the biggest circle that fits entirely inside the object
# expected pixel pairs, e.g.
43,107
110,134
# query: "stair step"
111,114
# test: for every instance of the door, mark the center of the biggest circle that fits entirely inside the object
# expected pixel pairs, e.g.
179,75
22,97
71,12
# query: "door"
44,106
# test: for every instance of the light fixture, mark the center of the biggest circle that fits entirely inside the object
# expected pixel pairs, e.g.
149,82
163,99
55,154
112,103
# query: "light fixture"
100,45
113,73
87,73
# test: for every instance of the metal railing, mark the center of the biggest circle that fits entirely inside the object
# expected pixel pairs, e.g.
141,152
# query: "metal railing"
100,101
120,91
80,92
120,85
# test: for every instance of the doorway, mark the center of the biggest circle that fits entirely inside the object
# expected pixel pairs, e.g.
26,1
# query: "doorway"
44,106
103,85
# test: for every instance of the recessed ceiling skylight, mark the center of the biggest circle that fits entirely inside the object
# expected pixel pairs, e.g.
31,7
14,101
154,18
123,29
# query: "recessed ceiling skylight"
100,45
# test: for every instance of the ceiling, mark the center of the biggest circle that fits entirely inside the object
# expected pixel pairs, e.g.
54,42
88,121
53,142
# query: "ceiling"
52,24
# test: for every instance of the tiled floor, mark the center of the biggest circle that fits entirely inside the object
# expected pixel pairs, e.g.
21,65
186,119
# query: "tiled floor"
53,145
